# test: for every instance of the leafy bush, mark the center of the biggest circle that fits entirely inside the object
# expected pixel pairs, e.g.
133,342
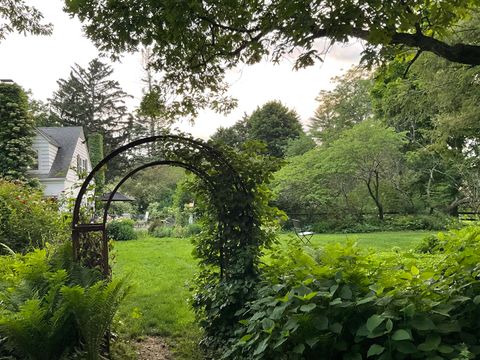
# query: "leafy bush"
345,303
28,220
162,231
350,224
158,229
52,307
451,242
121,230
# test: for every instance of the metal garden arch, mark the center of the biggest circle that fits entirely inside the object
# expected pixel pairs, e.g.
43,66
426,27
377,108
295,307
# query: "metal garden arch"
89,236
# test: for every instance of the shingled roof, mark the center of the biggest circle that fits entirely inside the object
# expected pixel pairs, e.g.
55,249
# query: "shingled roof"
65,138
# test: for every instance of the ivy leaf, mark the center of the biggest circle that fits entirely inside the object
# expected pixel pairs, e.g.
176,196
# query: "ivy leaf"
401,334
375,349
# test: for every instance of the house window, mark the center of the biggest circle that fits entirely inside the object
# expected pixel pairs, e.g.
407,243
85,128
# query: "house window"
79,165
84,165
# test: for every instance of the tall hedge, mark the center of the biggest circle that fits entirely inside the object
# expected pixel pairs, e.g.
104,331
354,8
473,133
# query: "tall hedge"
17,130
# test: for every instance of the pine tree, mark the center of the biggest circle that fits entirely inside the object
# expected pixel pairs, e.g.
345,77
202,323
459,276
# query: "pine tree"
90,99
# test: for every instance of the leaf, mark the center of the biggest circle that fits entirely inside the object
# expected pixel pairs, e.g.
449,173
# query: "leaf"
312,341
309,296
423,323
445,349
414,270
262,346
346,293
308,307
245,338
299,349
320,322
268,325
431,343
476,300
336,328
389,325
401,334
333,288
406,347
374,321
375,349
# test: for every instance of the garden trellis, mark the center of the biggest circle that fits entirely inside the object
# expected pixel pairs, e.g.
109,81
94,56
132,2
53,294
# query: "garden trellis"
210,165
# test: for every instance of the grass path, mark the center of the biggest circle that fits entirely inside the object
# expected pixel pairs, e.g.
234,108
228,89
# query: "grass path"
160,269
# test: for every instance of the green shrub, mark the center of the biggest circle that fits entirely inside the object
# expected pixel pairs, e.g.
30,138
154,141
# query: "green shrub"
345,303
351,224
27,220
121,230
160,230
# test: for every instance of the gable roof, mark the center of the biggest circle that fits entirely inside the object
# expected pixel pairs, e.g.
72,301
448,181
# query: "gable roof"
65,138
116,197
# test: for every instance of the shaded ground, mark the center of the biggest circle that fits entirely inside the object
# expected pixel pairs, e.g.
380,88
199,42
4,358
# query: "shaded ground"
153,348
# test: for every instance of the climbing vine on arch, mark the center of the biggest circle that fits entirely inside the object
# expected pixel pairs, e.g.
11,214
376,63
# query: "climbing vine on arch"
218,298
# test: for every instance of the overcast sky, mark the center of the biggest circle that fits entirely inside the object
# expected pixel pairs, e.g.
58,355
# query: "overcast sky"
36,63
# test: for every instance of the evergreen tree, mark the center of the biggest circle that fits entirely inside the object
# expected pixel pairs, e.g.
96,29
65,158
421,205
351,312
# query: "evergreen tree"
89,98
16,133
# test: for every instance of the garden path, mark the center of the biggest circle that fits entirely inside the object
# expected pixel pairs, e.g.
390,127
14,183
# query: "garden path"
153,348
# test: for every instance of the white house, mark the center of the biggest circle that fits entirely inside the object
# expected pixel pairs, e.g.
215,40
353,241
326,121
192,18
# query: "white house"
62,160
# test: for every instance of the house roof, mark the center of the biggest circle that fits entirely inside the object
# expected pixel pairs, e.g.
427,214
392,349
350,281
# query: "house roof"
65,138
116,197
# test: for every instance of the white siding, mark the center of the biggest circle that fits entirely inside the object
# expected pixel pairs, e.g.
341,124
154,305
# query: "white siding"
82,150
53,187
46,154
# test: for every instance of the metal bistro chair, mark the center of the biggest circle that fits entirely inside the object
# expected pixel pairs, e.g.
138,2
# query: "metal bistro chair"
304,236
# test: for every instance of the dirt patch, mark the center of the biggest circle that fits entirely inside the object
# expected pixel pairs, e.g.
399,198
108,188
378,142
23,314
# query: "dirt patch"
153,348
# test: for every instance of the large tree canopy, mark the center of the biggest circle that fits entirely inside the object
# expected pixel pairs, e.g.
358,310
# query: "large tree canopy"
272,123
195,42
16,16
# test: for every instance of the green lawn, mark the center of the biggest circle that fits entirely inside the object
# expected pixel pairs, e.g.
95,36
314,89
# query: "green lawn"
160,269
381,241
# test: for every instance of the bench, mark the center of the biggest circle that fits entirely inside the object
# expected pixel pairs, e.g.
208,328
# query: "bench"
302,234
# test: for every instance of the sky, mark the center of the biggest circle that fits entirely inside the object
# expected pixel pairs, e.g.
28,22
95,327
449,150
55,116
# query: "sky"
37,62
